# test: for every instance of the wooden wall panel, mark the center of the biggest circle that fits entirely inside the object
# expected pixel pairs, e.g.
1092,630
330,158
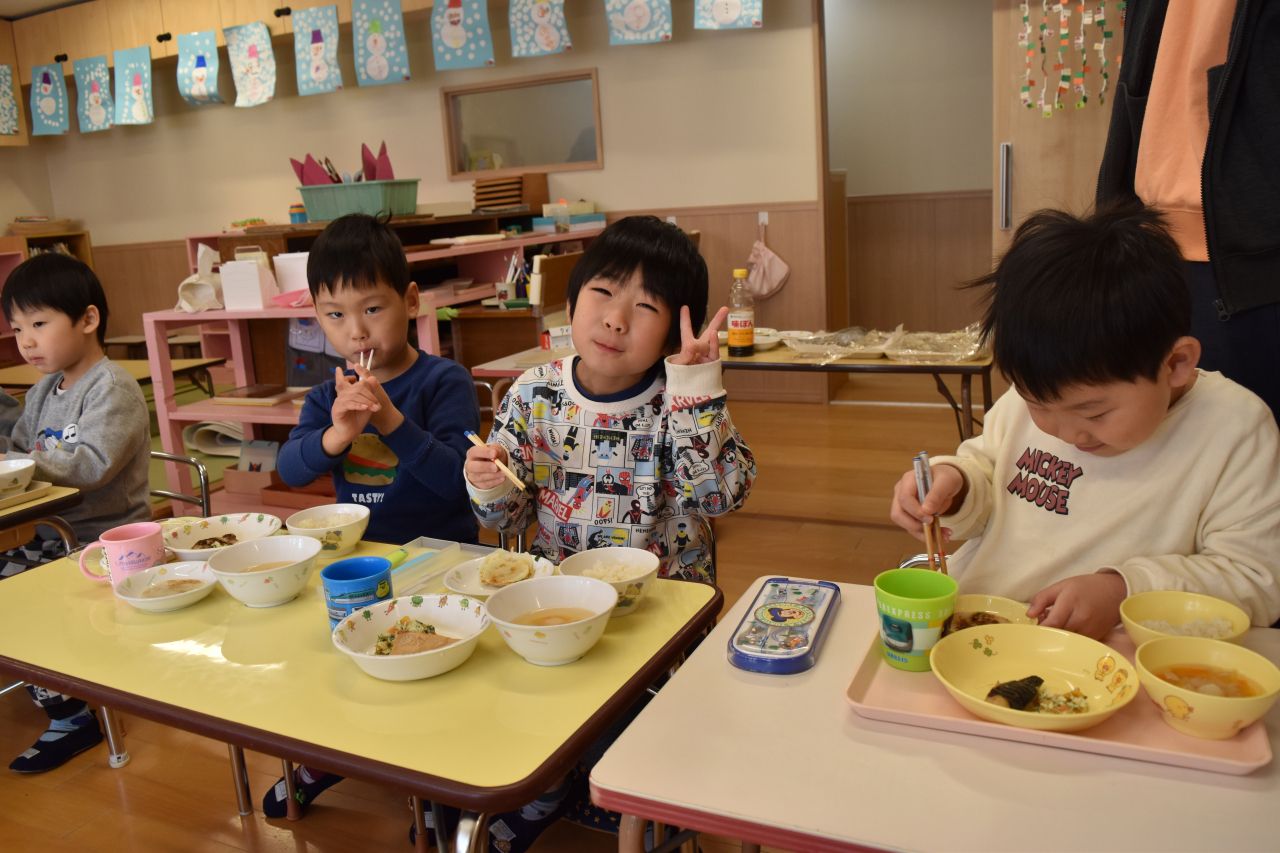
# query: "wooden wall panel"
908,254
794,232
139,277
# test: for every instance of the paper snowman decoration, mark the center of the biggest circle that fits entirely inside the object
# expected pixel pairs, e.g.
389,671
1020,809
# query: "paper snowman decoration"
376,65
138,110
319,68
725,12
251,69
546,36
200,78
637,15
97,114
47,103
452,32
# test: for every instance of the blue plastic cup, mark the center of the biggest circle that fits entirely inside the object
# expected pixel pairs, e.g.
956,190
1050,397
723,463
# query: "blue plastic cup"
354,583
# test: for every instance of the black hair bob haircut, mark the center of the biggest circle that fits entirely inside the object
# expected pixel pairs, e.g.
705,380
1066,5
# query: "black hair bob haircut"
58,282
357,250
669,264
1086,300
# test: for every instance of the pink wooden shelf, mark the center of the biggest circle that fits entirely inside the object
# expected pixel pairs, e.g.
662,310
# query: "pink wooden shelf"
207,410
499,245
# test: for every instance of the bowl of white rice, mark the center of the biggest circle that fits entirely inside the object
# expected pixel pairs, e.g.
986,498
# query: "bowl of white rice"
628,570
1173,613
339,527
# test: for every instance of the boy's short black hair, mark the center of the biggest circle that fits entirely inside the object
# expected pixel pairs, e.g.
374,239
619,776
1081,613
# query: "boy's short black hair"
357,250
670,267
57,282
1086,300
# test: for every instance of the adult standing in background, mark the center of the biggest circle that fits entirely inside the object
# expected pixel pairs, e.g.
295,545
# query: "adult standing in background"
1195,131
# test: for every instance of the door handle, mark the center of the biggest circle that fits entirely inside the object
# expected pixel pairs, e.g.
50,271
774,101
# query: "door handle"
1006,190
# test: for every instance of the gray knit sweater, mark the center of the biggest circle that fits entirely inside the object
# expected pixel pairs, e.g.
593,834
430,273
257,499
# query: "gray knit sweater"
95,437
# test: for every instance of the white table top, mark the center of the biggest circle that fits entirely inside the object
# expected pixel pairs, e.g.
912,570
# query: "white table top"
785,760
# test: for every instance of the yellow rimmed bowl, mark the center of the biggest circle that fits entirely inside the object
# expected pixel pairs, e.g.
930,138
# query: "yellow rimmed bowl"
970,662
1183,614
1005,608
1199,714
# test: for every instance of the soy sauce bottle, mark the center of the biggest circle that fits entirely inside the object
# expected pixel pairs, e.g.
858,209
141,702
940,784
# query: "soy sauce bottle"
742,317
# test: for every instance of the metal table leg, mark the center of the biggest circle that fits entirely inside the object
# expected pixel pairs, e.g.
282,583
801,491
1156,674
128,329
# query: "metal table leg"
420,827
470,835
292,812
240,779
966,403
117,756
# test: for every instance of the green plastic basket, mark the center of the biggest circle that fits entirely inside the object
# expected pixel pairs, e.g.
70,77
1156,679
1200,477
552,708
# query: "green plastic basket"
329,201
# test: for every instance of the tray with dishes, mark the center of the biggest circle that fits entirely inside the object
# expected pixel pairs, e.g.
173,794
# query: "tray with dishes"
34,491
1136,731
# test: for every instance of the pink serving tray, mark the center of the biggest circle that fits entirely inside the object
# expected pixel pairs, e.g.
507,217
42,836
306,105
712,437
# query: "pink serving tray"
880,692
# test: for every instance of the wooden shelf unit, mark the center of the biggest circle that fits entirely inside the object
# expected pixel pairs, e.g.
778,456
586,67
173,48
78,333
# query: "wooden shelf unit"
231,334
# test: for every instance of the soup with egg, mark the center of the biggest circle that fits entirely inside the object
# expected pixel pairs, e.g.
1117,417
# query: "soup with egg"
546,616
1210,680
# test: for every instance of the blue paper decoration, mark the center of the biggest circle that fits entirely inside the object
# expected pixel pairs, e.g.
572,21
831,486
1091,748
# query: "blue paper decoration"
315,50
198,68
94,106
8,103
377,28
728,14
460,36
48,101
538,28
638,21
133,86
253,63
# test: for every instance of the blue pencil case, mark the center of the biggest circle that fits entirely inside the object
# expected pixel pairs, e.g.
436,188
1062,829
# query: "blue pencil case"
782,631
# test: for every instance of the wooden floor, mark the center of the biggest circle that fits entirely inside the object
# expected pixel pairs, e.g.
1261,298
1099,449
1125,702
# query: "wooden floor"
818,509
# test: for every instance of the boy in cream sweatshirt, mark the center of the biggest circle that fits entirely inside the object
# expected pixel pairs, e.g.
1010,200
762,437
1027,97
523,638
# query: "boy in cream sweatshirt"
1113,465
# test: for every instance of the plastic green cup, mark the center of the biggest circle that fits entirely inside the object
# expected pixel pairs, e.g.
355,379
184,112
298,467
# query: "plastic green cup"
914,606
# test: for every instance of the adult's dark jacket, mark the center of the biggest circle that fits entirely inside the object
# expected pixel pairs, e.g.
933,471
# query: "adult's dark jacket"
1240,176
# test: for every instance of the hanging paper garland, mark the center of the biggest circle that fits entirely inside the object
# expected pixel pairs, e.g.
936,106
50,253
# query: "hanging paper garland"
1046,106
94,106
1101,47
377,28
460,35
48,101
638,21
8,103
1029,51
728,14
1063,70
1081,89
133,86
253,64
315,50
198,68
538,28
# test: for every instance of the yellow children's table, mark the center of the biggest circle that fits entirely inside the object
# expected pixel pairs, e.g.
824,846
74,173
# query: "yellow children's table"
486,737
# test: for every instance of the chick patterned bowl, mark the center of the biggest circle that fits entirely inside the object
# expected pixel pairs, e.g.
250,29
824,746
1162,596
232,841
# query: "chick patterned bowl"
970,663
1173,613
1195,713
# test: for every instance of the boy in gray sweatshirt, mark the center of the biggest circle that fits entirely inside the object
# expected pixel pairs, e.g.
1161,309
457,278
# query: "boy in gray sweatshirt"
86,425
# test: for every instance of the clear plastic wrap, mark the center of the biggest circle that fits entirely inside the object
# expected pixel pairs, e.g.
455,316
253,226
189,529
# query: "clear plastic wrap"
937,347
853,342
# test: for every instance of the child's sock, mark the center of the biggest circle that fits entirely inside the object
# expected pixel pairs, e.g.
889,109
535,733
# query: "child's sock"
307,785
515,832
64,739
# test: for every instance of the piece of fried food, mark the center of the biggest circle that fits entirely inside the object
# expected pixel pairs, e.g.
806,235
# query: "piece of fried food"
411,642
502,568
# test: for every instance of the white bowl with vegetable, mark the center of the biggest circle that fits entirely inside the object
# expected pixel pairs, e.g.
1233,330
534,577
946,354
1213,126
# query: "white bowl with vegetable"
266,572
403,639
337,526
200,538
630,571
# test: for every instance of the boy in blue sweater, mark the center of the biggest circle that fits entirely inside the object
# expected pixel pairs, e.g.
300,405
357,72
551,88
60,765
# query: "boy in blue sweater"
392,432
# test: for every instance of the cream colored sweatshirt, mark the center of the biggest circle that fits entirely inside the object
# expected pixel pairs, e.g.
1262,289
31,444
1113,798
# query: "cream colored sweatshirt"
1195,507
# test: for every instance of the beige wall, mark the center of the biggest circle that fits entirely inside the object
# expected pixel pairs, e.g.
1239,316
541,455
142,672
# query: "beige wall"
24,183
909,94
709,118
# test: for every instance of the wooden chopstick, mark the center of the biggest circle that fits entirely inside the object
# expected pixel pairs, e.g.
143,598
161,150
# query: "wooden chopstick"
475,439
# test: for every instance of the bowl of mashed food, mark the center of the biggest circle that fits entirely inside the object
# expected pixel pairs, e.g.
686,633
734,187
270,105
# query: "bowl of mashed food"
630,571
266,572
199,538
1034,677
337,526
1174,613
552,620
169,586
412,637
1207,688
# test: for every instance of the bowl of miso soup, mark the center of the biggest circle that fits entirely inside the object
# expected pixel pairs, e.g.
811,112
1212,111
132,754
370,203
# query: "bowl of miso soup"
1207,688
266,572
552,620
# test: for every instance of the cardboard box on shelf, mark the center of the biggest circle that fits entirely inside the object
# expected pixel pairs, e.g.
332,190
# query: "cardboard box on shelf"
245,482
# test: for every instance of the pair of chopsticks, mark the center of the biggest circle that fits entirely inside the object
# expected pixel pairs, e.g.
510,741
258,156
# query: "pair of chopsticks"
933,531
362,360
475,439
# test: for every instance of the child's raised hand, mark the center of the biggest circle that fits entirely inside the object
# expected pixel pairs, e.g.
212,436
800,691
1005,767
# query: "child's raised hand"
906,510
695,349
352,408
386,418
480,470
1085,604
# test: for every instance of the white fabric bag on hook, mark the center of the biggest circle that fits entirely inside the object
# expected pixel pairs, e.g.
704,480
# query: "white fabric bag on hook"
768,272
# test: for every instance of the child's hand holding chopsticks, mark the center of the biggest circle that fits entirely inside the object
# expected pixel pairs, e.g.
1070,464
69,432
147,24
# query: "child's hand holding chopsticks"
486,465
913,515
